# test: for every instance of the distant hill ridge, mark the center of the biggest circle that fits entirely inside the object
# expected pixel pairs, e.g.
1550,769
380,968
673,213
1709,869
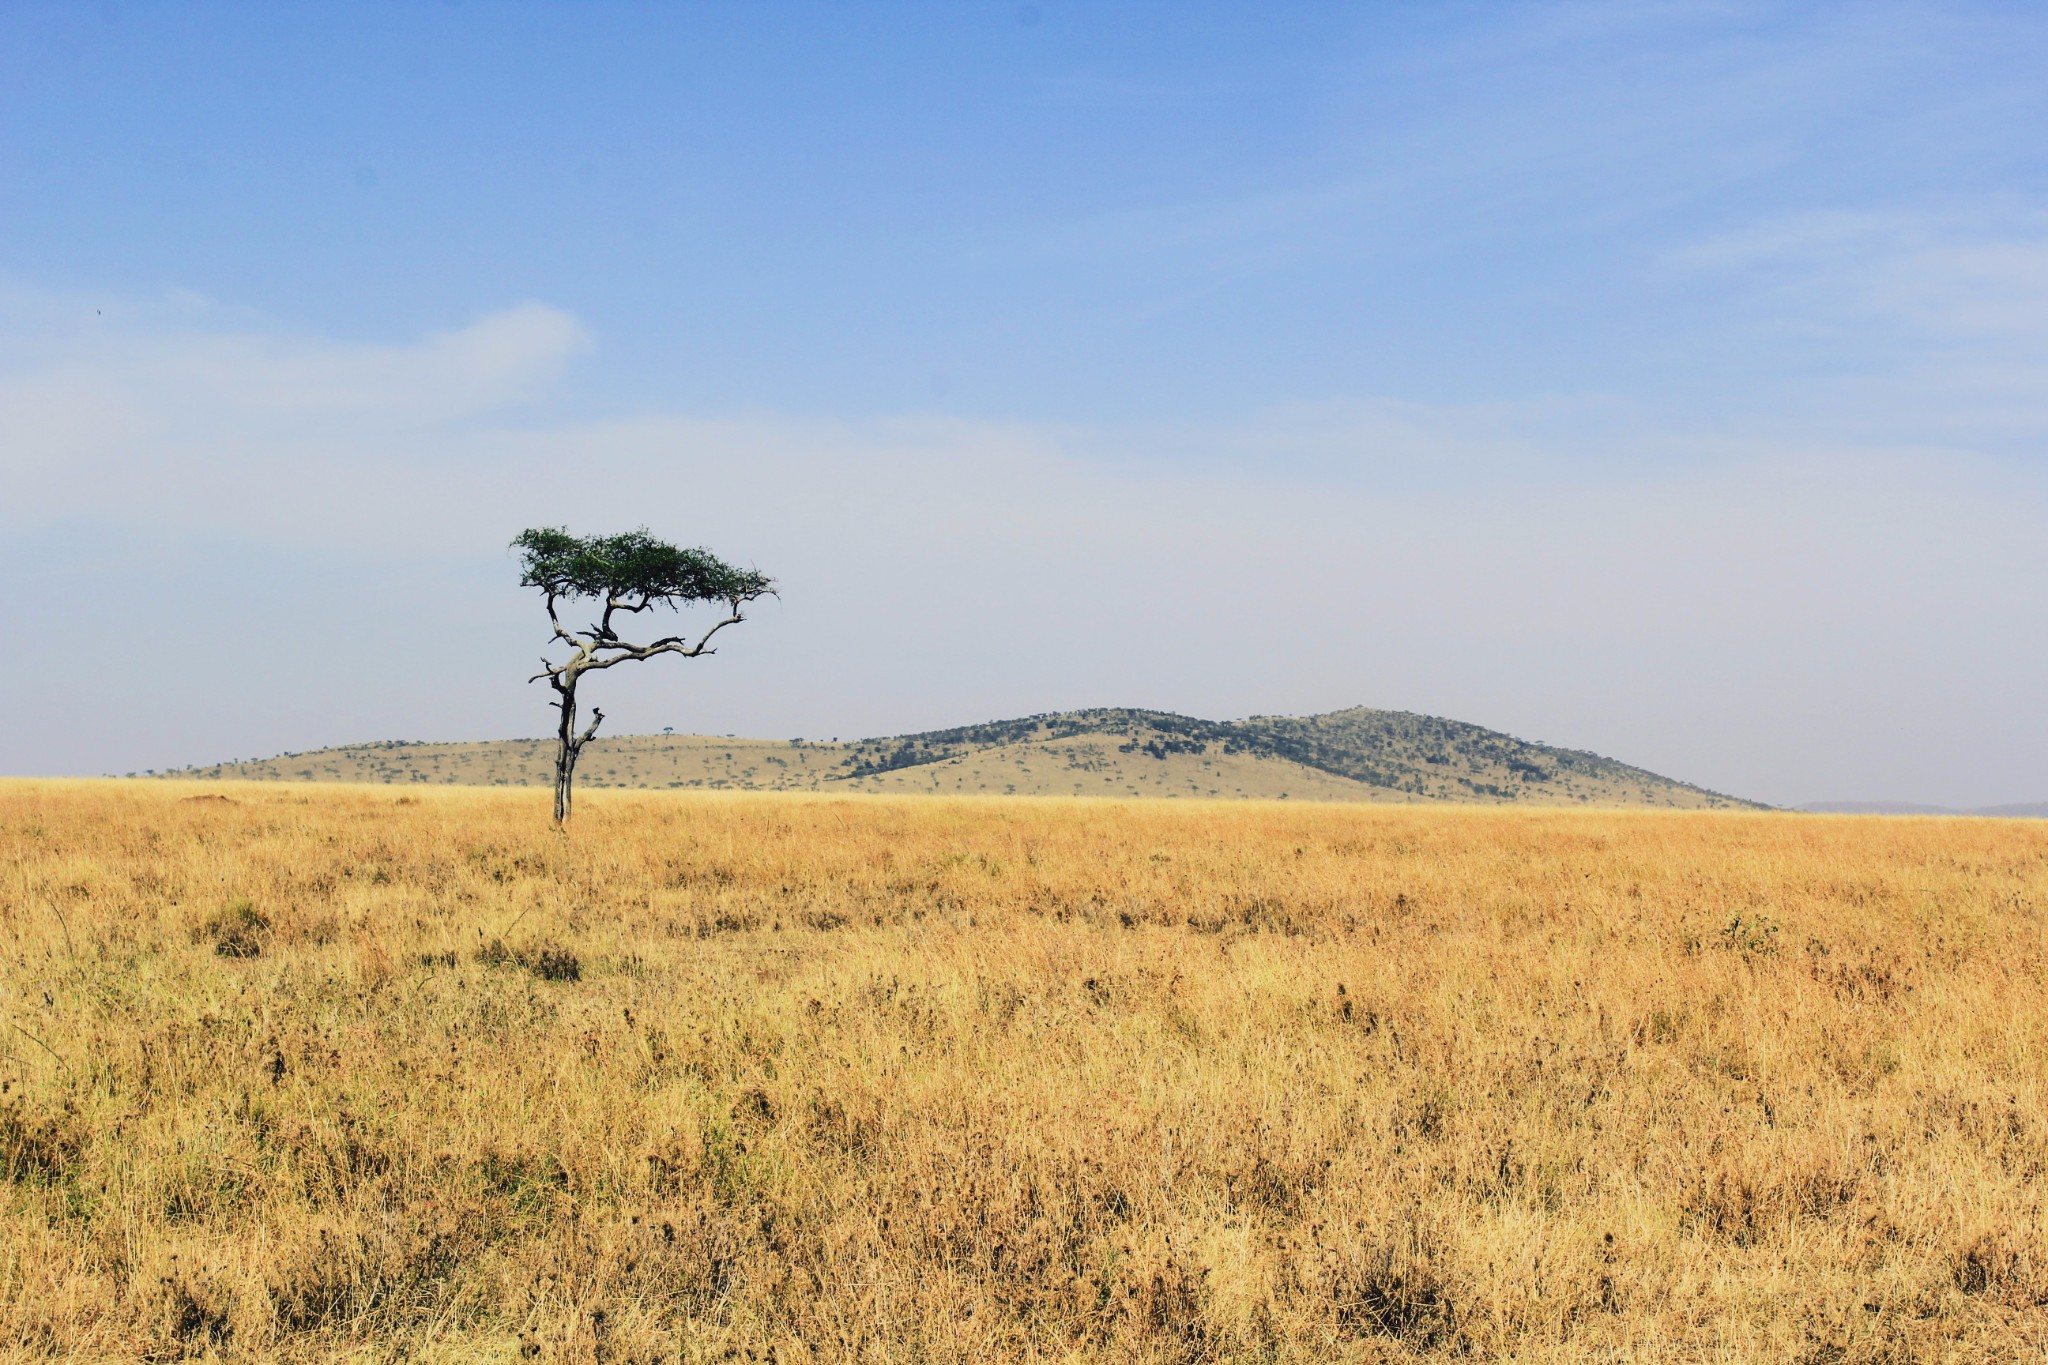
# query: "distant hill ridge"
2025,810
1359,754
1401,752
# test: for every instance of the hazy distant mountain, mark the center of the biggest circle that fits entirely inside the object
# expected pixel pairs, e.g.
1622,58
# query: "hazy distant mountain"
2032,810
1355,755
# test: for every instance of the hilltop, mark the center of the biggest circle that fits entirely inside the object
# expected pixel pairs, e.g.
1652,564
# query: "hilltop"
1359,754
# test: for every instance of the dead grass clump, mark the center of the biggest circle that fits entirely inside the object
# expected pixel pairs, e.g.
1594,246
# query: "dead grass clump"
1389,1289
1999,1265
551,962
548,961
1158,1306
37,1145
832,1125
194,1320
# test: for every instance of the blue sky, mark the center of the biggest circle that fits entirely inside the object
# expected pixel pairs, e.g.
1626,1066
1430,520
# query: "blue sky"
1664,379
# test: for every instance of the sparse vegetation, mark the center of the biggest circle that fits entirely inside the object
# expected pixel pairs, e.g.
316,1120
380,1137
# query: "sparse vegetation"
803,1078
1355,755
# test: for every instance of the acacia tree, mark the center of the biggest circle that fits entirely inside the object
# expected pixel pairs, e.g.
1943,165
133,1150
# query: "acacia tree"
628,574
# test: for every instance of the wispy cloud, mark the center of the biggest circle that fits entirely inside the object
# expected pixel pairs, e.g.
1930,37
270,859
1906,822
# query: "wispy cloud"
1907,326
1943,276
94,389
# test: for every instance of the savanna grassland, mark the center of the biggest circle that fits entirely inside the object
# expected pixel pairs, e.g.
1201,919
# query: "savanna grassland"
336,1072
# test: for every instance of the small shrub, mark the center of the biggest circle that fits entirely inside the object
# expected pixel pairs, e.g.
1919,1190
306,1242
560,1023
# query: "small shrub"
1752,936
551,963
239,930
1391,1292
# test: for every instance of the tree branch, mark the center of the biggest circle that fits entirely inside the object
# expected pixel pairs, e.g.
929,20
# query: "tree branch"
561,633
590,660
603,630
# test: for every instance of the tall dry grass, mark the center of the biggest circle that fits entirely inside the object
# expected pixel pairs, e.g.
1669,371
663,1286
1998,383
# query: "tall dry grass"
320,1073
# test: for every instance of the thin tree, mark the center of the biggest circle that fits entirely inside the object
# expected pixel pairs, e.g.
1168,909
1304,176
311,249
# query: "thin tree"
627,574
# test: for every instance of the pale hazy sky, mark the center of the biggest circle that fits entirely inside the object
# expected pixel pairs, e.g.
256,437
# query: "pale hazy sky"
1668,380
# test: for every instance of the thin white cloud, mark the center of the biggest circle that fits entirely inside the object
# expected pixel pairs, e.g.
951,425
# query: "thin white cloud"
495,360
1927,328
245,432
94,394
1948,276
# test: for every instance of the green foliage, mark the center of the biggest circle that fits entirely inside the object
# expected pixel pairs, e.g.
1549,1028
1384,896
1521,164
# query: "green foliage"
1751,935
633,566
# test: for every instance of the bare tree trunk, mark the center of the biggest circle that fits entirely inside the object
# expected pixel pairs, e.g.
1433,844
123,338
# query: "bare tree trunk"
565,756
569,747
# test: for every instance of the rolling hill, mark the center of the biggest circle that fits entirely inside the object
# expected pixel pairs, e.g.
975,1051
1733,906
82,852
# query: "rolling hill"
1355,755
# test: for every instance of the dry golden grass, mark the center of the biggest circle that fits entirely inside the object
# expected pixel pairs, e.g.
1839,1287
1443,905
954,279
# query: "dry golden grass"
343,1072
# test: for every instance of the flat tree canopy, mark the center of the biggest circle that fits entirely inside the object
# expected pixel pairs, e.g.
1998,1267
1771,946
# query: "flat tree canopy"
631,570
